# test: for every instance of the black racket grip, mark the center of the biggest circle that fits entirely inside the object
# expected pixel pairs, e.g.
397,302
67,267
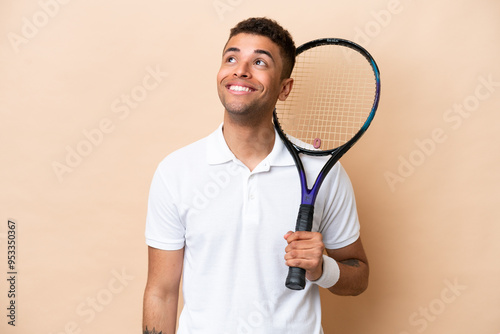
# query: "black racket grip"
305,218
296,279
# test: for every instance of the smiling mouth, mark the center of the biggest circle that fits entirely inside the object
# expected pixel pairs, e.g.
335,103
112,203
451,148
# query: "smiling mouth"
236,88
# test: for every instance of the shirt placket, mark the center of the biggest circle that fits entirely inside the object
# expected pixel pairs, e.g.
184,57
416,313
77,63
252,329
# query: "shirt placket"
251,207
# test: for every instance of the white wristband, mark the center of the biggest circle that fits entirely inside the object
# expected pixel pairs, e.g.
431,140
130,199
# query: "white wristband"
331,273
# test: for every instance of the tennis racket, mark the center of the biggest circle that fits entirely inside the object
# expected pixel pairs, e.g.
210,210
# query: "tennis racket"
335,94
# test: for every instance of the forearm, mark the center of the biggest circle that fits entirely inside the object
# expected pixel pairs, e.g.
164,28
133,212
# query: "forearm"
161,295
353,265
159,313
353,278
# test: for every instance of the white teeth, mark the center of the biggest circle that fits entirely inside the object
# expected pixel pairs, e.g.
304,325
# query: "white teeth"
240,89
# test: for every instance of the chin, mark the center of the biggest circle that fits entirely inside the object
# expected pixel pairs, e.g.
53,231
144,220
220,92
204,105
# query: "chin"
237,109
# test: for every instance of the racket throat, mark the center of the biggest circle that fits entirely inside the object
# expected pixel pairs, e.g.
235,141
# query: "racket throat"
309,195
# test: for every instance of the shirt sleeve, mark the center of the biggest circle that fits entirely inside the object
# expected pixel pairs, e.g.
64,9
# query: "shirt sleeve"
340,223
164,228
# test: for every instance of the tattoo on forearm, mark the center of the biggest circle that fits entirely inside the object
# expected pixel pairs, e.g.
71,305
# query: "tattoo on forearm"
351,262
146,331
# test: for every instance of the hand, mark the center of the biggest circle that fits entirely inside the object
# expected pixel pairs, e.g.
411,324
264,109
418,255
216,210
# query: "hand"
305,250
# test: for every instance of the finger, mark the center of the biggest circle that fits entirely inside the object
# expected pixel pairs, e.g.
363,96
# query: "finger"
315,240
287,234
304,235
304,245
304,253
311,262
303,263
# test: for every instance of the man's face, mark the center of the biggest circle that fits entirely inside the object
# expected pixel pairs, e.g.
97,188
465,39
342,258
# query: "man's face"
249,80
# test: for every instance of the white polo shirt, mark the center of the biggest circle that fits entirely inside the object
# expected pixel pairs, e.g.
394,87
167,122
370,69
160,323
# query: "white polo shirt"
231,222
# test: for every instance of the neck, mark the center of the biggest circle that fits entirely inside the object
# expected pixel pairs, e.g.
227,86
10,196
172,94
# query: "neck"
250,143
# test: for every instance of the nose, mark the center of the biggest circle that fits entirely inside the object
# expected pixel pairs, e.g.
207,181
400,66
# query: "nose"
241,71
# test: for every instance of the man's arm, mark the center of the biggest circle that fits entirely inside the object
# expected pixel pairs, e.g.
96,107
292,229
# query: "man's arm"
162,291
354,269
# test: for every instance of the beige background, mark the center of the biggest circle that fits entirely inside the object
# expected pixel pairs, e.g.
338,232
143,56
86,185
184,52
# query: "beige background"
426,174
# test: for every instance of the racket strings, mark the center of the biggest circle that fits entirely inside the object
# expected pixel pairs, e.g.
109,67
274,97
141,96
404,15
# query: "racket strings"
332,96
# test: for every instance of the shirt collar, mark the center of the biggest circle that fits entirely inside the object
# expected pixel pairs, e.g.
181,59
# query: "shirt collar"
218,152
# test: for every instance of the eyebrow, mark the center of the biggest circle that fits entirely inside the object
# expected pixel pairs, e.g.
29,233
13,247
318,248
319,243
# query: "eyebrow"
258,51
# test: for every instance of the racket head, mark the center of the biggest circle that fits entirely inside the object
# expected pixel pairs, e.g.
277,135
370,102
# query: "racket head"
334,97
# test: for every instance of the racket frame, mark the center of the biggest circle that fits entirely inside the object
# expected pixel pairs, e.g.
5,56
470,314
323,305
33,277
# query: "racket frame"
296,276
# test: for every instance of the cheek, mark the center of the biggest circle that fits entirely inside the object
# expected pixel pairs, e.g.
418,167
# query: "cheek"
274,86
220,90
223,73
264,81
219,77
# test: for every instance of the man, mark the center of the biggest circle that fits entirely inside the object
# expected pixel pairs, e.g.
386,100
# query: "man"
220,208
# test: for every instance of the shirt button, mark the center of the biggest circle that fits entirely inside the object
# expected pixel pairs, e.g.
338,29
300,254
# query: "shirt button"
252,196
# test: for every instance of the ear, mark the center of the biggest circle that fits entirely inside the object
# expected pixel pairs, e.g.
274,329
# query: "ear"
286,88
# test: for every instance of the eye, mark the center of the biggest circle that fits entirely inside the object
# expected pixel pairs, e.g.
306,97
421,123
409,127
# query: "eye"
260,62
230,60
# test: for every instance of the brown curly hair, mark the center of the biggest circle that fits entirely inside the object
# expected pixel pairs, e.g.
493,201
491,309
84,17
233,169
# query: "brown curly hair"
275,32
